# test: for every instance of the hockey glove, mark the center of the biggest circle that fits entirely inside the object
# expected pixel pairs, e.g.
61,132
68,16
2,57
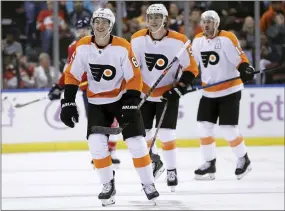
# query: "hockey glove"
55,92
246,72
69,113
174,94
130,102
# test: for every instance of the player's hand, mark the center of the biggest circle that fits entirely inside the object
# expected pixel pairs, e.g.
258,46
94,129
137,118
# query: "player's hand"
69,113
174,93
55,92
247,74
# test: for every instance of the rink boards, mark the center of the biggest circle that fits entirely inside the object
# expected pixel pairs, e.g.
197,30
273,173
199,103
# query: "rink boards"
37,127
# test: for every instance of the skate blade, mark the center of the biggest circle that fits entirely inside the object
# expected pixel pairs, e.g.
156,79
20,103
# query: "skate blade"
159,173
209,176
153,201
108,202
239,177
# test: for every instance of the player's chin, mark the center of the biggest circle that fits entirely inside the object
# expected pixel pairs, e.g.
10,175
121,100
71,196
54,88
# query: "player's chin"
153,29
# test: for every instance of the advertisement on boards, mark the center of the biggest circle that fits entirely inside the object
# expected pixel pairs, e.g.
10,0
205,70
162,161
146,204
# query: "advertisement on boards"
261,115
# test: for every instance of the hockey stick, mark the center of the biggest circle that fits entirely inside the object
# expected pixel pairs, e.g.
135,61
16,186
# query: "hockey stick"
163,113
232,79
115,131
20,105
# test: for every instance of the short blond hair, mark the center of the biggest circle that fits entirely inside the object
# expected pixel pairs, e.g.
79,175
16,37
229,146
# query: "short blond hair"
43,56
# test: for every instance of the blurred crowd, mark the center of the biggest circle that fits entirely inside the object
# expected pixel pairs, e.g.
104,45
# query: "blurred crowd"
27,33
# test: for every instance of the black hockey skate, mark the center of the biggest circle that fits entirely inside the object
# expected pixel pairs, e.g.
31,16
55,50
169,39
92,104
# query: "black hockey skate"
150,192
107,196
157,166
206,171
172,180
243,167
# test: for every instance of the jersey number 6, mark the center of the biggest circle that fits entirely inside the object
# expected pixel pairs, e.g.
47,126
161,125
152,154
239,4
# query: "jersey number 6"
134,61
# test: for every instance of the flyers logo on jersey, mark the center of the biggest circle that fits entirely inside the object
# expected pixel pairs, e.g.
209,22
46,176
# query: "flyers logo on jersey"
99,71
210,57
158,61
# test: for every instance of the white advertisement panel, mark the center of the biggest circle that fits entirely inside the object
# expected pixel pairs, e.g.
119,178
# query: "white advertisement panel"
261,115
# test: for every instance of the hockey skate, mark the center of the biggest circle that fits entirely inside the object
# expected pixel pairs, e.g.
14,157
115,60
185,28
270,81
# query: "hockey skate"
151,192
206,171
172,180
243,167
107,196
157,166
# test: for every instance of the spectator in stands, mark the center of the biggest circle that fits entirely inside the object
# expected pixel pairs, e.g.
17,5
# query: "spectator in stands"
45,25
268,16
175,20
276,32
133,26
45,75
10,46
141,18
32,9
79,12
26,73
195,27
248,31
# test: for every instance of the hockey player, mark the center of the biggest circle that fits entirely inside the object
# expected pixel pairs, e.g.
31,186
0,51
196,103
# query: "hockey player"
155,48
114,89
220,57
83,29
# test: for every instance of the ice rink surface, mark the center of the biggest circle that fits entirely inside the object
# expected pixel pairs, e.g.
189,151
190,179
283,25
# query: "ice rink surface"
66,180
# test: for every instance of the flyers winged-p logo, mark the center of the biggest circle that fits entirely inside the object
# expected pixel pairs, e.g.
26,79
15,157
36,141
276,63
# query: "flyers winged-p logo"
210,57
158,61
99,71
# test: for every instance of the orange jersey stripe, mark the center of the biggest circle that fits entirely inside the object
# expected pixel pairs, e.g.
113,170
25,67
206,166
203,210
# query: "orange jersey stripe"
110,94
223,86
158,91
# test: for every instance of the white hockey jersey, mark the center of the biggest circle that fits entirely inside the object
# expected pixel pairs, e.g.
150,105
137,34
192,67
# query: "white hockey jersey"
219,59
110,71
154,56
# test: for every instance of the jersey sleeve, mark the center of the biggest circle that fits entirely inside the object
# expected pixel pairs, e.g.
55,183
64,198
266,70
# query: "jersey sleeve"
132,73
234,52
135,50
188,62
76,67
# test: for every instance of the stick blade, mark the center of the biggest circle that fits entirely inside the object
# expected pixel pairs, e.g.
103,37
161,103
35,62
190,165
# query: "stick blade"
106,130
19,105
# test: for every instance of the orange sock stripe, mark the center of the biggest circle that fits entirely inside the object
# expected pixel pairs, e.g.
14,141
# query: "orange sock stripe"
149,142
207,140
236,142
142,161
102,163
170,145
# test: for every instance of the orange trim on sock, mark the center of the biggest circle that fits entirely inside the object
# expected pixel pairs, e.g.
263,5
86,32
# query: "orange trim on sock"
236,142
170,145
207,140
102,163
142,161
149,142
